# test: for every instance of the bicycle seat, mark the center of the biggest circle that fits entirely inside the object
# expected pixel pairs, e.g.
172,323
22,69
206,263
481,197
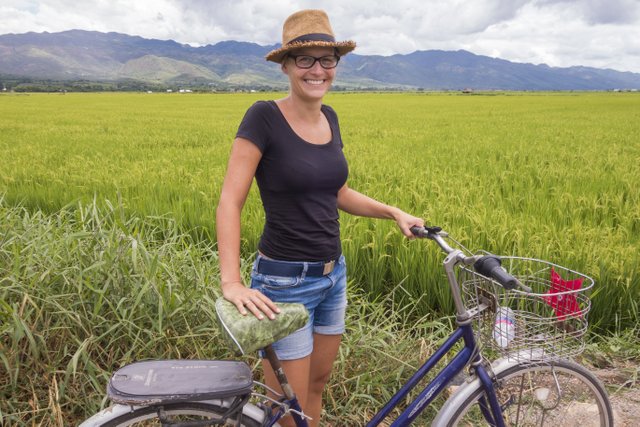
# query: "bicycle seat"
246,334
163,381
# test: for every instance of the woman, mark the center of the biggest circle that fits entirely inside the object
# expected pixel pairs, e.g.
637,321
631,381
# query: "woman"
293,148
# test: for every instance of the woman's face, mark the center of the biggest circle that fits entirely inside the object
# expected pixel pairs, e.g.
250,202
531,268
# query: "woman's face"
310,83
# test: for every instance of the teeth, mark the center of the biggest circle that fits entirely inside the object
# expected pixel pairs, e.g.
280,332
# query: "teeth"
315,82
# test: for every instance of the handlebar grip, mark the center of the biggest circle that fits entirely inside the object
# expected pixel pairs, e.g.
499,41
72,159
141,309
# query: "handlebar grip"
425,231
491,266
419,231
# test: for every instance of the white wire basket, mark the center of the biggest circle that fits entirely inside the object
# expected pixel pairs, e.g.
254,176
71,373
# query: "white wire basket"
550,322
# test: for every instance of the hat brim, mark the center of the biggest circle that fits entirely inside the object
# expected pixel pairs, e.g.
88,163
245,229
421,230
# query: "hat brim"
277,55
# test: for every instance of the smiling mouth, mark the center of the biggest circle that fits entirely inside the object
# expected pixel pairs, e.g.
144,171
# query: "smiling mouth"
314,82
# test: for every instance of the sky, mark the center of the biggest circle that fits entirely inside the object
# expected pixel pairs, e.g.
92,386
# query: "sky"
559,33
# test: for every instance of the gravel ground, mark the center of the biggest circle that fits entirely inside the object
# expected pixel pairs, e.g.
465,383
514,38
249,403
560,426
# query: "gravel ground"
623,385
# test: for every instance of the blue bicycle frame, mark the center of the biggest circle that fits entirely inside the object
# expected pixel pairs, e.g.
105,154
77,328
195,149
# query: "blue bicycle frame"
467,355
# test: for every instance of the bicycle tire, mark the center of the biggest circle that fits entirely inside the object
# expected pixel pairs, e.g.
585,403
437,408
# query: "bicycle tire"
582,401
183,411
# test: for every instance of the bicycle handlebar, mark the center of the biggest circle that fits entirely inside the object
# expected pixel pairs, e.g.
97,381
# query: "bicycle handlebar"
487,265
491,266
433,233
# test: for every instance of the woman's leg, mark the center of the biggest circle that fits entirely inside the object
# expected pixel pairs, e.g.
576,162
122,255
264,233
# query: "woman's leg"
308,376
325,351
297,372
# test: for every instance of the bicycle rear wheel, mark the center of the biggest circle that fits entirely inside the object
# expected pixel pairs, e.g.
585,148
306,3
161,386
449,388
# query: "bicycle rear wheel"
174,413
561,393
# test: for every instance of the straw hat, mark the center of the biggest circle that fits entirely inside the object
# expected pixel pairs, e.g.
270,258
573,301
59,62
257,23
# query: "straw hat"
308,28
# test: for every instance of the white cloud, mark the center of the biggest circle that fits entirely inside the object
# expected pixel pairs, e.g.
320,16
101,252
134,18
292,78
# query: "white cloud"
598,33
557,33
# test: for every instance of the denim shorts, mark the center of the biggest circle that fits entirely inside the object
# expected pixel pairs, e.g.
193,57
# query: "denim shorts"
324,297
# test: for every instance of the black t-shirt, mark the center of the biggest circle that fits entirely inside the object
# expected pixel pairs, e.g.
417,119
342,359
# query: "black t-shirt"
298,183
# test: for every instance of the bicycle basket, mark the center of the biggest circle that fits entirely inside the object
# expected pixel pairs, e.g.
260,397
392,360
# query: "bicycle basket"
550,322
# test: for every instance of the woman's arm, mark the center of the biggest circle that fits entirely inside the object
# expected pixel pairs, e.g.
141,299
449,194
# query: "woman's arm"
357,203
241,169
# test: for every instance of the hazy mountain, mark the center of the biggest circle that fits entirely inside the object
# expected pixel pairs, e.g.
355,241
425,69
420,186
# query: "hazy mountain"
90,55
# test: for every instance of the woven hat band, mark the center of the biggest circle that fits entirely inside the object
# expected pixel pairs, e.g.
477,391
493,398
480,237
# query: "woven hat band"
313,38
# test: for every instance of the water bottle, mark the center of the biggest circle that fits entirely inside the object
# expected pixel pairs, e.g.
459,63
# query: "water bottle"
505,328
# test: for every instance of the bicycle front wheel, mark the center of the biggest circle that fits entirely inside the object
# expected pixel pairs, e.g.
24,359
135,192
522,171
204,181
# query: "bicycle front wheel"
175,413
561,393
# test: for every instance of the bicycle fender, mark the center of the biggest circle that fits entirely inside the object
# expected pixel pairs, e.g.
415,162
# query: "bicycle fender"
114,411
465,391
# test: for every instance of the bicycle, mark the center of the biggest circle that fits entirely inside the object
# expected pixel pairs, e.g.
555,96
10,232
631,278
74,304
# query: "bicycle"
532,383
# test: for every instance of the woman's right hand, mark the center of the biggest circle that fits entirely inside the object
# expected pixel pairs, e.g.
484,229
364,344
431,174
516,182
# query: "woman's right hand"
245,298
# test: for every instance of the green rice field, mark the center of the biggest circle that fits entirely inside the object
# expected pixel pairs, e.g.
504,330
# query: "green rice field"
550,176
107,224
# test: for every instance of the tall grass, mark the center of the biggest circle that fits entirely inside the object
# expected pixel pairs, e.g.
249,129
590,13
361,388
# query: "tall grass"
86,290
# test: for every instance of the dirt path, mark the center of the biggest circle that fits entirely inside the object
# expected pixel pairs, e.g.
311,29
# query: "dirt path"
623,385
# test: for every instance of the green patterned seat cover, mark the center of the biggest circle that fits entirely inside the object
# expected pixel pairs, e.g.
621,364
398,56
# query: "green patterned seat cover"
246,334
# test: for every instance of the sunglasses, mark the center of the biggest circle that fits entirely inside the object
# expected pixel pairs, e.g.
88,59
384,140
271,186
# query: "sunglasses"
307,61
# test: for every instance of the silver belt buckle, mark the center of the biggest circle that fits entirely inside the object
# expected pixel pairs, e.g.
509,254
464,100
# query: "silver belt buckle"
328,267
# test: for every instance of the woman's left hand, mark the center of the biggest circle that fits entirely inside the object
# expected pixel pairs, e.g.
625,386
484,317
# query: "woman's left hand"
406,221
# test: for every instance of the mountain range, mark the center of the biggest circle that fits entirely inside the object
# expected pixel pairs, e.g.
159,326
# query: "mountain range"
94,56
